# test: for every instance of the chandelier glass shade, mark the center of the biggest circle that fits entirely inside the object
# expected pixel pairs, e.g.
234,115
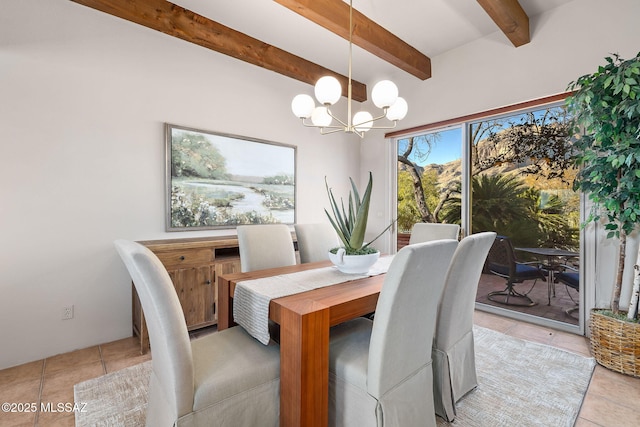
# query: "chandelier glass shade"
328,91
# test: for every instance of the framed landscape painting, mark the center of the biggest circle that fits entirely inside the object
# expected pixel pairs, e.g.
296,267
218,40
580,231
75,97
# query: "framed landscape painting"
216,180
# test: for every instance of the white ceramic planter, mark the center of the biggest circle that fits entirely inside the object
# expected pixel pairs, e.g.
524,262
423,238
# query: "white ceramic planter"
353,264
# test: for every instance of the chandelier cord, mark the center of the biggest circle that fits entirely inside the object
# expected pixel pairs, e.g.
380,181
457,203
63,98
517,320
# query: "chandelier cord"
349,86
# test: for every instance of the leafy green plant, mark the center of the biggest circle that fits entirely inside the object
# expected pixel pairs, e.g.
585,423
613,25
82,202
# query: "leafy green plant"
351,223
605,109
505,204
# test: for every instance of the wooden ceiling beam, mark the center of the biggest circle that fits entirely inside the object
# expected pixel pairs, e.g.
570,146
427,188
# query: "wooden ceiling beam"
334,16
510,17
166,17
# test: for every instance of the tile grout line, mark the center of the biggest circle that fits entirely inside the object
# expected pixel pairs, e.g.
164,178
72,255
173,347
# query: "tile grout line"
608,397
585,396
104,364
35,419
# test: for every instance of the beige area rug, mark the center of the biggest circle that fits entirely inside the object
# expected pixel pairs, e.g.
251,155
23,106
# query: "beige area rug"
115,399
521,384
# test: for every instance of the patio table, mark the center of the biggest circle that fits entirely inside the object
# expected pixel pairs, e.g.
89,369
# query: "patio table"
549,264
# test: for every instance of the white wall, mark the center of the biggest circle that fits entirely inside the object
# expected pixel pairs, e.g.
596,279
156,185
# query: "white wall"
83,100
566,43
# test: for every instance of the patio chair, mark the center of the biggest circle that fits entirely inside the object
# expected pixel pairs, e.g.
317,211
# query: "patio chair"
570,277
502,262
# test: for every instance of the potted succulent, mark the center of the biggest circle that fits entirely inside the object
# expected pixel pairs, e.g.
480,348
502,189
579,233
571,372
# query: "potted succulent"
355,256
605,110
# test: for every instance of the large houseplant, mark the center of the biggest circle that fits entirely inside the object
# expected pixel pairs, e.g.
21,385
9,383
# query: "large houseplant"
605,110
350,224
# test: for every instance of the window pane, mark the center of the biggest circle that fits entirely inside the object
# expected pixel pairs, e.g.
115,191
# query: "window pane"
521,179
429,170
521,187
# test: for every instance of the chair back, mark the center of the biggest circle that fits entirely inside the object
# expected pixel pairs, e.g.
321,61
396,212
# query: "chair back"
172,358
501,259
405,317
265,246
426,232
315,240
455,312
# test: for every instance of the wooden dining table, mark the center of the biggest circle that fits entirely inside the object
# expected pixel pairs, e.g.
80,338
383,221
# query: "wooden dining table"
305,319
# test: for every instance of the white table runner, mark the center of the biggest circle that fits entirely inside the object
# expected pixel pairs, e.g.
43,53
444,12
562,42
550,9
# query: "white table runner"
252,297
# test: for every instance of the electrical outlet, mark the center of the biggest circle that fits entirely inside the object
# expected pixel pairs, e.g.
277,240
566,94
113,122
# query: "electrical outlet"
67,313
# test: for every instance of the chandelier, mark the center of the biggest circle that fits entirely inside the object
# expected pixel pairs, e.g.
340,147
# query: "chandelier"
328,91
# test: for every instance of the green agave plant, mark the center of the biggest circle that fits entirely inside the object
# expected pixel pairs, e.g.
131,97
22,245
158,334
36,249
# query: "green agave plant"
351,223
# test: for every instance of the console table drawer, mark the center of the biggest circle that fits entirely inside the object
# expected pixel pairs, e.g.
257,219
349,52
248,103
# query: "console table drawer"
186,258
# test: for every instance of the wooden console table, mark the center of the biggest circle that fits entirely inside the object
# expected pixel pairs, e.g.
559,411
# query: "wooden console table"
194,265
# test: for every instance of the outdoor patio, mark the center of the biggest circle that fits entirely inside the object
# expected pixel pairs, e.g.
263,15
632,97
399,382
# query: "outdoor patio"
555,311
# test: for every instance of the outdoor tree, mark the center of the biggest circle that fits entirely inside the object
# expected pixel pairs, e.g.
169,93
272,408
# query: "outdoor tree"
411,152
535,144
538,142
408,213
502,203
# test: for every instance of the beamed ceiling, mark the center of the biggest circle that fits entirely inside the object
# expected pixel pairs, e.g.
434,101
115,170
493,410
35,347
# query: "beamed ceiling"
304,39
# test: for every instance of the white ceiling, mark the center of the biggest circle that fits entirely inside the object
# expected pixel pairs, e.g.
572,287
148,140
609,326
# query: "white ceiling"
431,26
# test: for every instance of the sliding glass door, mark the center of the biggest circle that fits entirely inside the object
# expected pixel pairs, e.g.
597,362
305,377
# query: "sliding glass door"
508,173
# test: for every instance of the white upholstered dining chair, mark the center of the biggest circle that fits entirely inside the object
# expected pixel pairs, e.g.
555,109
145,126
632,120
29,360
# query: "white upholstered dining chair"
226,378
427,231
265,246
380,371
315,240
454,368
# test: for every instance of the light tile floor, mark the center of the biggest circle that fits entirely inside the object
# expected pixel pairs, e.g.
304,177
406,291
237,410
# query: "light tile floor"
611,400
51,380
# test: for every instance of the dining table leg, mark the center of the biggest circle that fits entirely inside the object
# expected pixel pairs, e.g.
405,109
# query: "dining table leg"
304,364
